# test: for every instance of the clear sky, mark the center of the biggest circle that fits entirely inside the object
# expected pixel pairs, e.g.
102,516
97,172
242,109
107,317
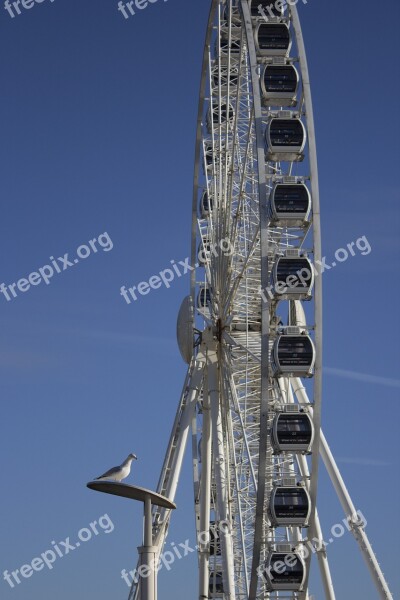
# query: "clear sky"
97,122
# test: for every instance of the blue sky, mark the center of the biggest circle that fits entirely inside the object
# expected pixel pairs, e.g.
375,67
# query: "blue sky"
98,118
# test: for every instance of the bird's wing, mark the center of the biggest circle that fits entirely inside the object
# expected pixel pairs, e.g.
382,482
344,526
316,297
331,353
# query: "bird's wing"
110,472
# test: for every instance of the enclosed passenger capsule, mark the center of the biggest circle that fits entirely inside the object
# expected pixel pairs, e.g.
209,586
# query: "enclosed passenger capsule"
235,16
216,583
232,75
206,205
206,247
204,298
289,204
265,9
292,278
209,158
234,55
285,139
219,113
208,155
284,570
293,355
279,84
273,39
292,432
215,542
289,505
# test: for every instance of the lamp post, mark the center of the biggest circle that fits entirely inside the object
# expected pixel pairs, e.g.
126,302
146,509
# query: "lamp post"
147,552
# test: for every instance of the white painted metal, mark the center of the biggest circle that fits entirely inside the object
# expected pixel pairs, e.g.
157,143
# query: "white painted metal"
220,467
356,523
171,470
231,396
205,495
148,556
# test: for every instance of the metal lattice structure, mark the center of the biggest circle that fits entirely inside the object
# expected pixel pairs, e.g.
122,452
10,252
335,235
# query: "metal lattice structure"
251,329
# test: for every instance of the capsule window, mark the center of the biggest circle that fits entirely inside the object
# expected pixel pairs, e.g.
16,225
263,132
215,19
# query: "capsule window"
235,16
293,277
290,506
235,46
215,542
293,432
285,139
294,355
290,201
280,79
273,39
211,159
208,154
284,571
233,78
204,250
216,583
289,267
204,298
220,112
297,351
206,205
286,132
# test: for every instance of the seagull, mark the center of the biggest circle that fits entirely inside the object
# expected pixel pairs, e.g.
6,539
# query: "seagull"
118,473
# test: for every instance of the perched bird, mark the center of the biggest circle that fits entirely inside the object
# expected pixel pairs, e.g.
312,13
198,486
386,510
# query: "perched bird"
119,473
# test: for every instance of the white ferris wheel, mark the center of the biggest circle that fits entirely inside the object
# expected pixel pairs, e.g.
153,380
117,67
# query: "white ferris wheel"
251,328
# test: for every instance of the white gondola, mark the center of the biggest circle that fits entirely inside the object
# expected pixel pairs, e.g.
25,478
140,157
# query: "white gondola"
266,10
210,158
292,431
273,39
285,137
236,19
216,585
293,354
279,85
284,569
222,83
289,204
204,298
206,205
219,113
215,542
292,277
204,251
233,56
289,505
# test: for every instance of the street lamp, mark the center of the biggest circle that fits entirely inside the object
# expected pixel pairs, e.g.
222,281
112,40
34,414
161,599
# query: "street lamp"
148,553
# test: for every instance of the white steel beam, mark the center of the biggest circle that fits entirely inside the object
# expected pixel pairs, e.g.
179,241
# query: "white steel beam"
356,524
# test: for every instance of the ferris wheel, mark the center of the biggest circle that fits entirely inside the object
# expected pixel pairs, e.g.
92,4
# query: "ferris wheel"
251,328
